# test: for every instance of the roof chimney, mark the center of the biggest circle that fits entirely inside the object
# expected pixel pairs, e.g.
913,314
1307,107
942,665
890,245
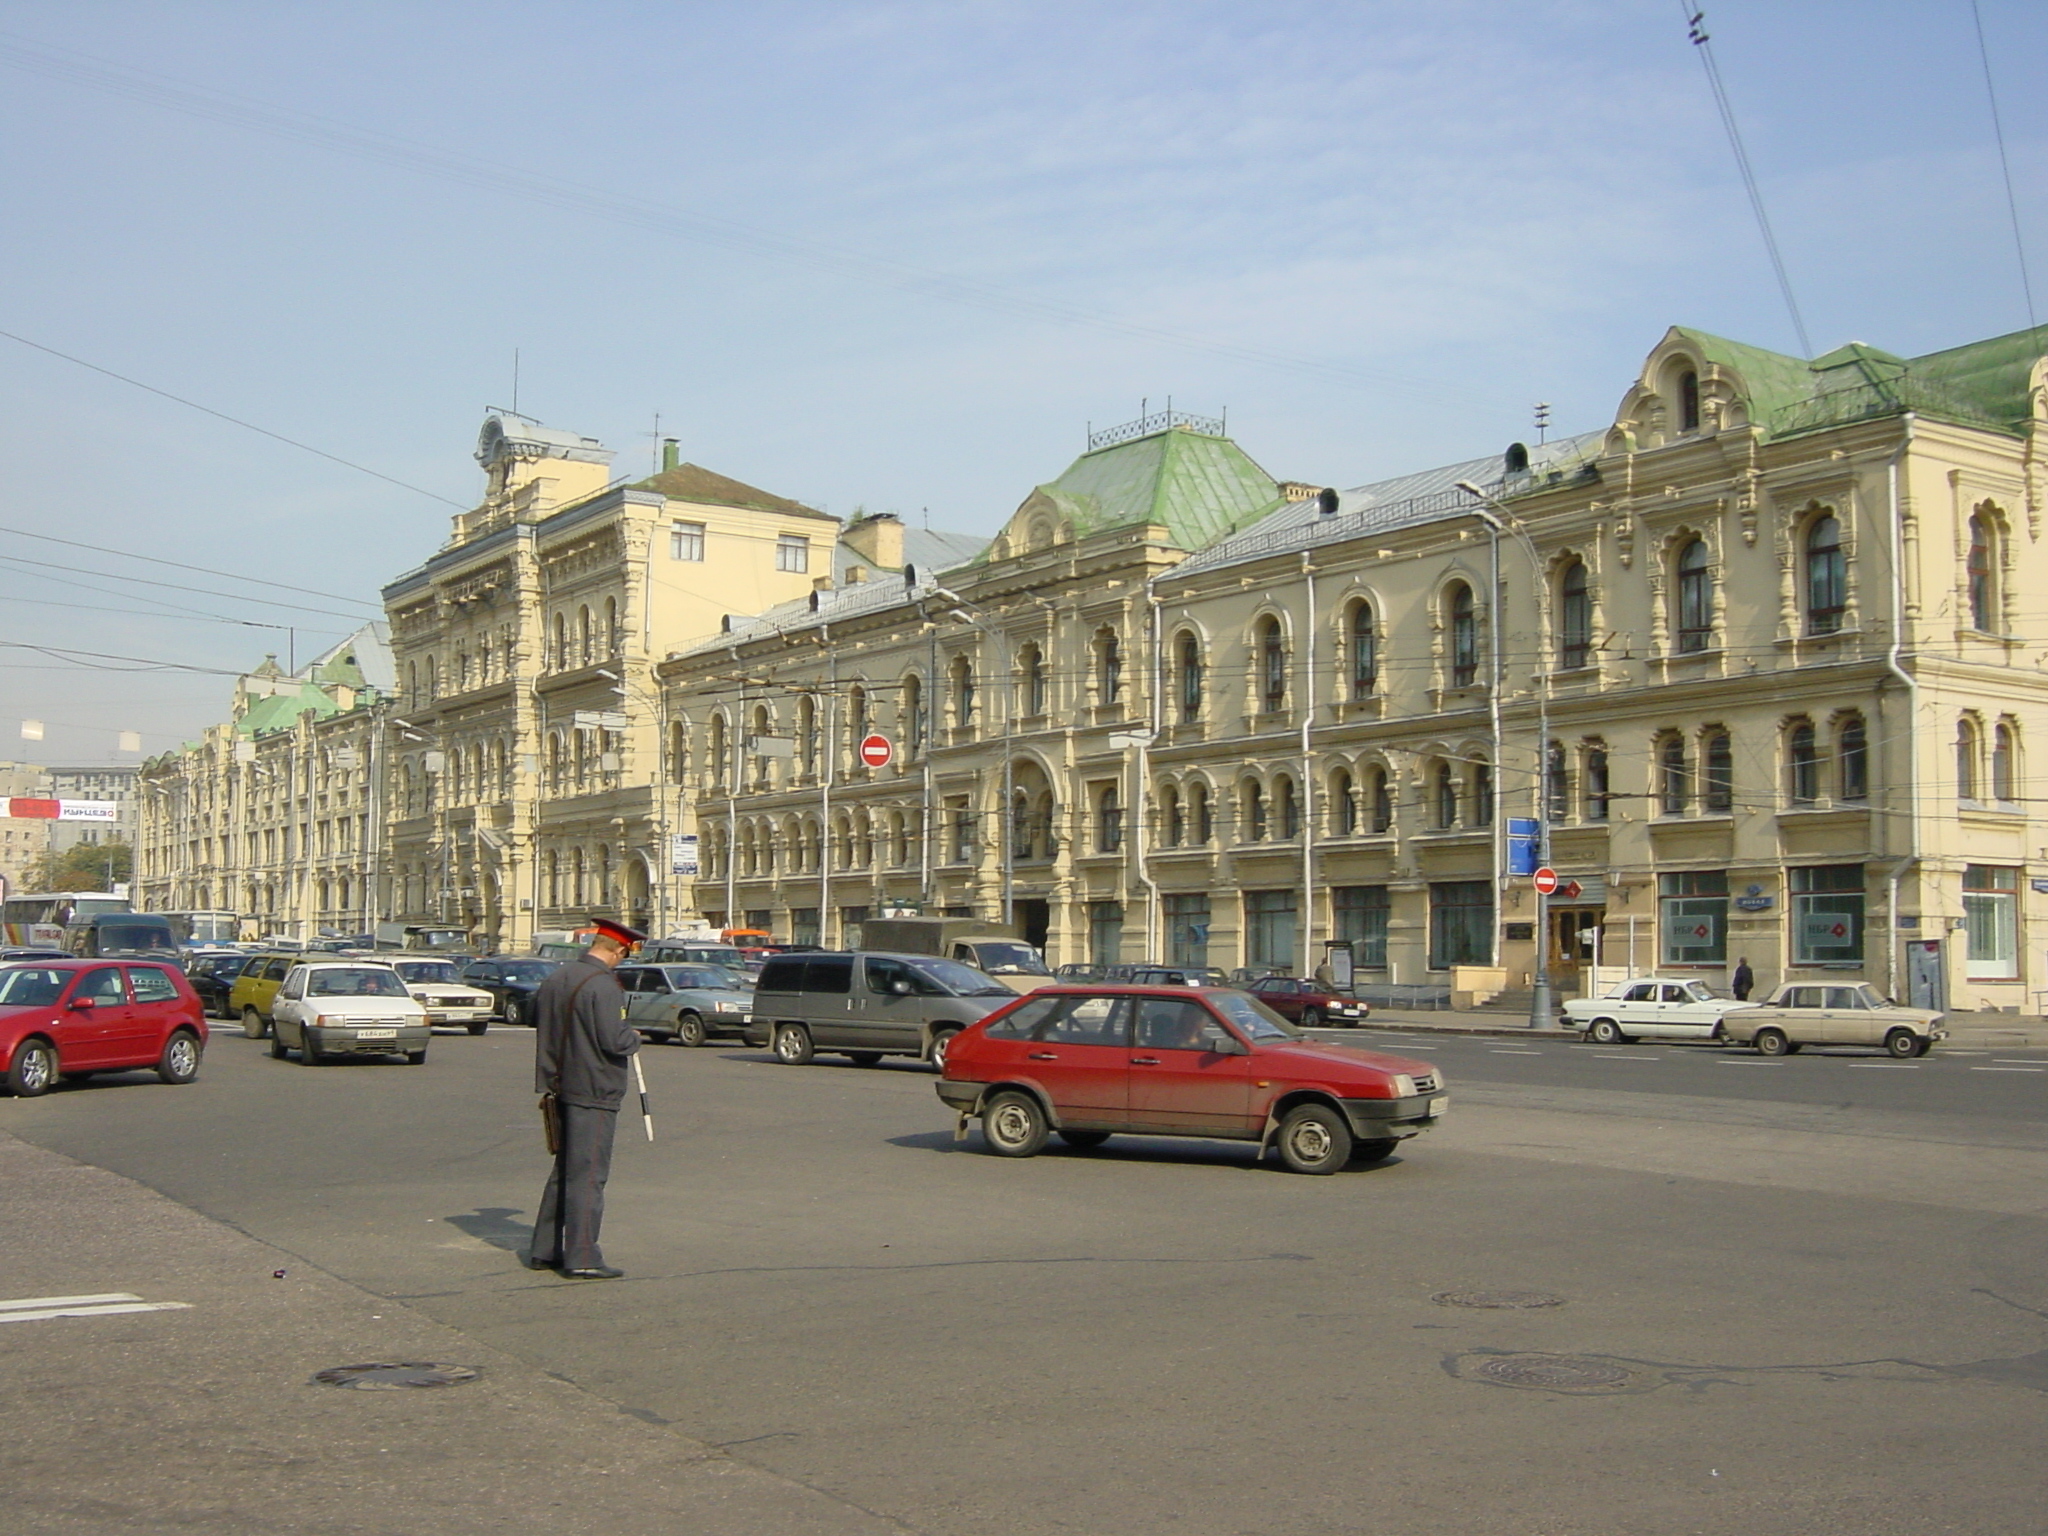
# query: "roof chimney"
669,456
877,538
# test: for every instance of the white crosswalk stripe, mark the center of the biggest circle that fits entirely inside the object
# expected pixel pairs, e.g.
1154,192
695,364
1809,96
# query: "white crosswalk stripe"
36,1309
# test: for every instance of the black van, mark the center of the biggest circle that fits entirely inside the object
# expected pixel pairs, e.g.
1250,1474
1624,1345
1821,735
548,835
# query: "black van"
124,935
865,1005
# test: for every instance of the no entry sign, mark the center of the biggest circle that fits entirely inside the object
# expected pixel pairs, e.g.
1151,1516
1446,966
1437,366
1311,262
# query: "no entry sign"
875,750
1545,881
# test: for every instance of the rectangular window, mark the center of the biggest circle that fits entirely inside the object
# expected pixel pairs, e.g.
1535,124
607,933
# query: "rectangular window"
1991,915
1693,908
1827,915
1460,923
686,541
793,553
1105,932
850,920
1187,930
1361,913
960,820
1269,924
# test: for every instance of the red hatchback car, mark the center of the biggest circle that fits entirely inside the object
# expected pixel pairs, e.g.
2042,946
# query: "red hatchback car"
1087,1062
72,1018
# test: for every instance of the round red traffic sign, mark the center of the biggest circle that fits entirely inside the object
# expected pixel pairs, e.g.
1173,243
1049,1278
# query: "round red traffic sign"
1545,881
875,750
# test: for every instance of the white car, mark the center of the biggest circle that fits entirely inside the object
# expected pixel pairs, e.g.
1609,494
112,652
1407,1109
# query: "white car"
347,1008
439,988
1652,1007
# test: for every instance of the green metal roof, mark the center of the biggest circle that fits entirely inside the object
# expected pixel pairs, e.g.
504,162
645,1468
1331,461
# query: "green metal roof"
1197,486
281,710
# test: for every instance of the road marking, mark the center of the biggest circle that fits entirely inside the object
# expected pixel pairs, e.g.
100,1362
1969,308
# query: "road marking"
2009,1069
34,1309
1603,1056
1745,1063
1503,1051
1889,1066
2020,1061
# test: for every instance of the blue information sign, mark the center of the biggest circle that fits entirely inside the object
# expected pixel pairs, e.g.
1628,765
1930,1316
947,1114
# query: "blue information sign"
1522,839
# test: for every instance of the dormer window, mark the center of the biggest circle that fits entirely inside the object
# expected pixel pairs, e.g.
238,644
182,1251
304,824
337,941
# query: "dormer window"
1689,401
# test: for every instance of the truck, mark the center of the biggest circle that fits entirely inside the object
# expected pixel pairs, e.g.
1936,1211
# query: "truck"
996,948
428,938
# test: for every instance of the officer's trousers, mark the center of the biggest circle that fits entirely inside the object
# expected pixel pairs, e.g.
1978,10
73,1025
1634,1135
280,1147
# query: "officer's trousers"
572,1205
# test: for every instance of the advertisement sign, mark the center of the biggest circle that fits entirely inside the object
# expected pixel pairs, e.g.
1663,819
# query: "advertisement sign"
63,810
682,854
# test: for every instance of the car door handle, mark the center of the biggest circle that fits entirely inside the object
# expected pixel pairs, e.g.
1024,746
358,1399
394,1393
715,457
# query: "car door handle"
1144,1061
1044,1056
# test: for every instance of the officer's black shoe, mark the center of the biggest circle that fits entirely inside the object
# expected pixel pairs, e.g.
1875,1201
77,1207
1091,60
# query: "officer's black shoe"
596,1272
532,1263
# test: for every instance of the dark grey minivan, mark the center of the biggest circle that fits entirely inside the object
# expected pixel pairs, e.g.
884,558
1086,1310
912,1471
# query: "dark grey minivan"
866,1006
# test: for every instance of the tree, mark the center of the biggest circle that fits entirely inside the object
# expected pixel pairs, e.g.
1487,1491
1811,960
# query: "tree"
82,867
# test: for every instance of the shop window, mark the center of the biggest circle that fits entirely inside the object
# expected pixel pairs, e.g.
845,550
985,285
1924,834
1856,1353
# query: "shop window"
1187,929
1105,932
1270,927
1992,921
1827,915
1693,917
1361,917
1460,923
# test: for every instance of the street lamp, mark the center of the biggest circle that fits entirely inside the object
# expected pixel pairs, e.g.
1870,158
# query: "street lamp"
1498,521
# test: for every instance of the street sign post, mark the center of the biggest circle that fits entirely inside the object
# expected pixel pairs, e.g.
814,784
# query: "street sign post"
1545,880
875,750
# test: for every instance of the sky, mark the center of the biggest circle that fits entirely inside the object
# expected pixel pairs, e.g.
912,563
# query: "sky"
889,256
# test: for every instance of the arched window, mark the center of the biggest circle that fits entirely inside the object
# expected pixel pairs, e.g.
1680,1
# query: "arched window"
1446,796
807,735
2002,777
1966,760
1464,626
611,626
1827,576
856,723
716,762
1343,804
1803,762
1109,668
1190,678
963,693
910,716
561,641
1852,750
585,640
1109,820
1365,651
1031,668
1254,812
1717,773
1020,824
1172,825
1984,575
1482,794
1574,617
1382,801
1695,598
1289,809
1272,667
764,766
1201,813
678,751
1688,401
1674,790
1557,783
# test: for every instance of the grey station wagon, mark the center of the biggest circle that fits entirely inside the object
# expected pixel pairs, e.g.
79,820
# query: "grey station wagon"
866,1006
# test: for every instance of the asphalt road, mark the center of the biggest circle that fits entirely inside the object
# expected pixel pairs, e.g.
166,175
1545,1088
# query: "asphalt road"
1796,1296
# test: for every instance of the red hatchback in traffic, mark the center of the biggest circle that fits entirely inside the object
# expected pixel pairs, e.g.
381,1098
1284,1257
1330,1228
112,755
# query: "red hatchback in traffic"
1087,1062
71,1018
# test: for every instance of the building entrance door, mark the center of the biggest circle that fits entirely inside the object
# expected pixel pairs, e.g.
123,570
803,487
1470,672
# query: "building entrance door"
1925,985
1034,917
1573,934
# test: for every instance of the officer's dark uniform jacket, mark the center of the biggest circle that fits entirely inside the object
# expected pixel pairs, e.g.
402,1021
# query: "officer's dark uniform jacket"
581,1046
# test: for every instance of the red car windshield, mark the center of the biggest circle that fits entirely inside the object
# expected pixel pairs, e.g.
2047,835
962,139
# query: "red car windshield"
1254,1020
30,986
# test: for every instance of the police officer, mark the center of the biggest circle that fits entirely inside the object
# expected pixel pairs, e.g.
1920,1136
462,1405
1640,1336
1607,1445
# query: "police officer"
581,1050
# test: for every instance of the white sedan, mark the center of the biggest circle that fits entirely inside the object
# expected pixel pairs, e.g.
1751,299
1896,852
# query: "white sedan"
1653,1007
438,987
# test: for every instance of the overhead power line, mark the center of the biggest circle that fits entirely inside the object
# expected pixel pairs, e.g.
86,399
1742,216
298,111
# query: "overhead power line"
173,586
1696,30
179,565
250,426
2012,205
705,229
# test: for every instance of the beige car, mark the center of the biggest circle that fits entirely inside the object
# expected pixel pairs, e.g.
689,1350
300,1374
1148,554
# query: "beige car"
1832,1013
438,987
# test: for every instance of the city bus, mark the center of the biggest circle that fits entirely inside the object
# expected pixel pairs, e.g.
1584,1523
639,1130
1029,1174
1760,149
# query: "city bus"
203,930
38,921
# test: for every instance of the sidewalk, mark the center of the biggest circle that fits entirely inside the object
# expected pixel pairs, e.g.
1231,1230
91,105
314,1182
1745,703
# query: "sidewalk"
204,1418
1967,1031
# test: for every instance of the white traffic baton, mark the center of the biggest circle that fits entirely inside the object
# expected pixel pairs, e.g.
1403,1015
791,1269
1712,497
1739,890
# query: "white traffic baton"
640,1077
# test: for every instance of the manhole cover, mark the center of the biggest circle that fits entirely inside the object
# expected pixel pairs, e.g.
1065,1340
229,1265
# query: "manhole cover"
1507,1301
1574,1374
389,1377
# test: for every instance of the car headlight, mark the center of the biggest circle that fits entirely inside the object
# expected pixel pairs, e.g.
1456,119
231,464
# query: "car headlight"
727,1008
1404,1086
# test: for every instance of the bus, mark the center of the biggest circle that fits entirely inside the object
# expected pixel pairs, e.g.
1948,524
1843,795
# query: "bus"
38,921
204,930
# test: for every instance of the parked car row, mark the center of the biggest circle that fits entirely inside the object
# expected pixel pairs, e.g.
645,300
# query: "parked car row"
1797,1014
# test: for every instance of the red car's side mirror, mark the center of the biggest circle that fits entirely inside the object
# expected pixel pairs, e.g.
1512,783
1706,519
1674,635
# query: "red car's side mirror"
82,1004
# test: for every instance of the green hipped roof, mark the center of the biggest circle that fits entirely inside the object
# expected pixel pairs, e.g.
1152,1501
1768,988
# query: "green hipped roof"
1196,486
1981,384
282,710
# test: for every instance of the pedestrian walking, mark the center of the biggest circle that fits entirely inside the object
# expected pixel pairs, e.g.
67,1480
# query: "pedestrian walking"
581,1051
1743,979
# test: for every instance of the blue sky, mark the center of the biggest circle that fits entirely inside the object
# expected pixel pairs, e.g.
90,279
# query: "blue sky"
899,255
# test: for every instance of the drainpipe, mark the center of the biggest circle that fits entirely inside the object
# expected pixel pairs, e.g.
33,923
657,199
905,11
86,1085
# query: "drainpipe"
1155,917
1896,539
1308,796
1500,822
831,756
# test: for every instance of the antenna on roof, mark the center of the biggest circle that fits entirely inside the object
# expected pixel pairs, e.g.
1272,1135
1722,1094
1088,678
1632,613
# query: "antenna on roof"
1542,422
515,381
